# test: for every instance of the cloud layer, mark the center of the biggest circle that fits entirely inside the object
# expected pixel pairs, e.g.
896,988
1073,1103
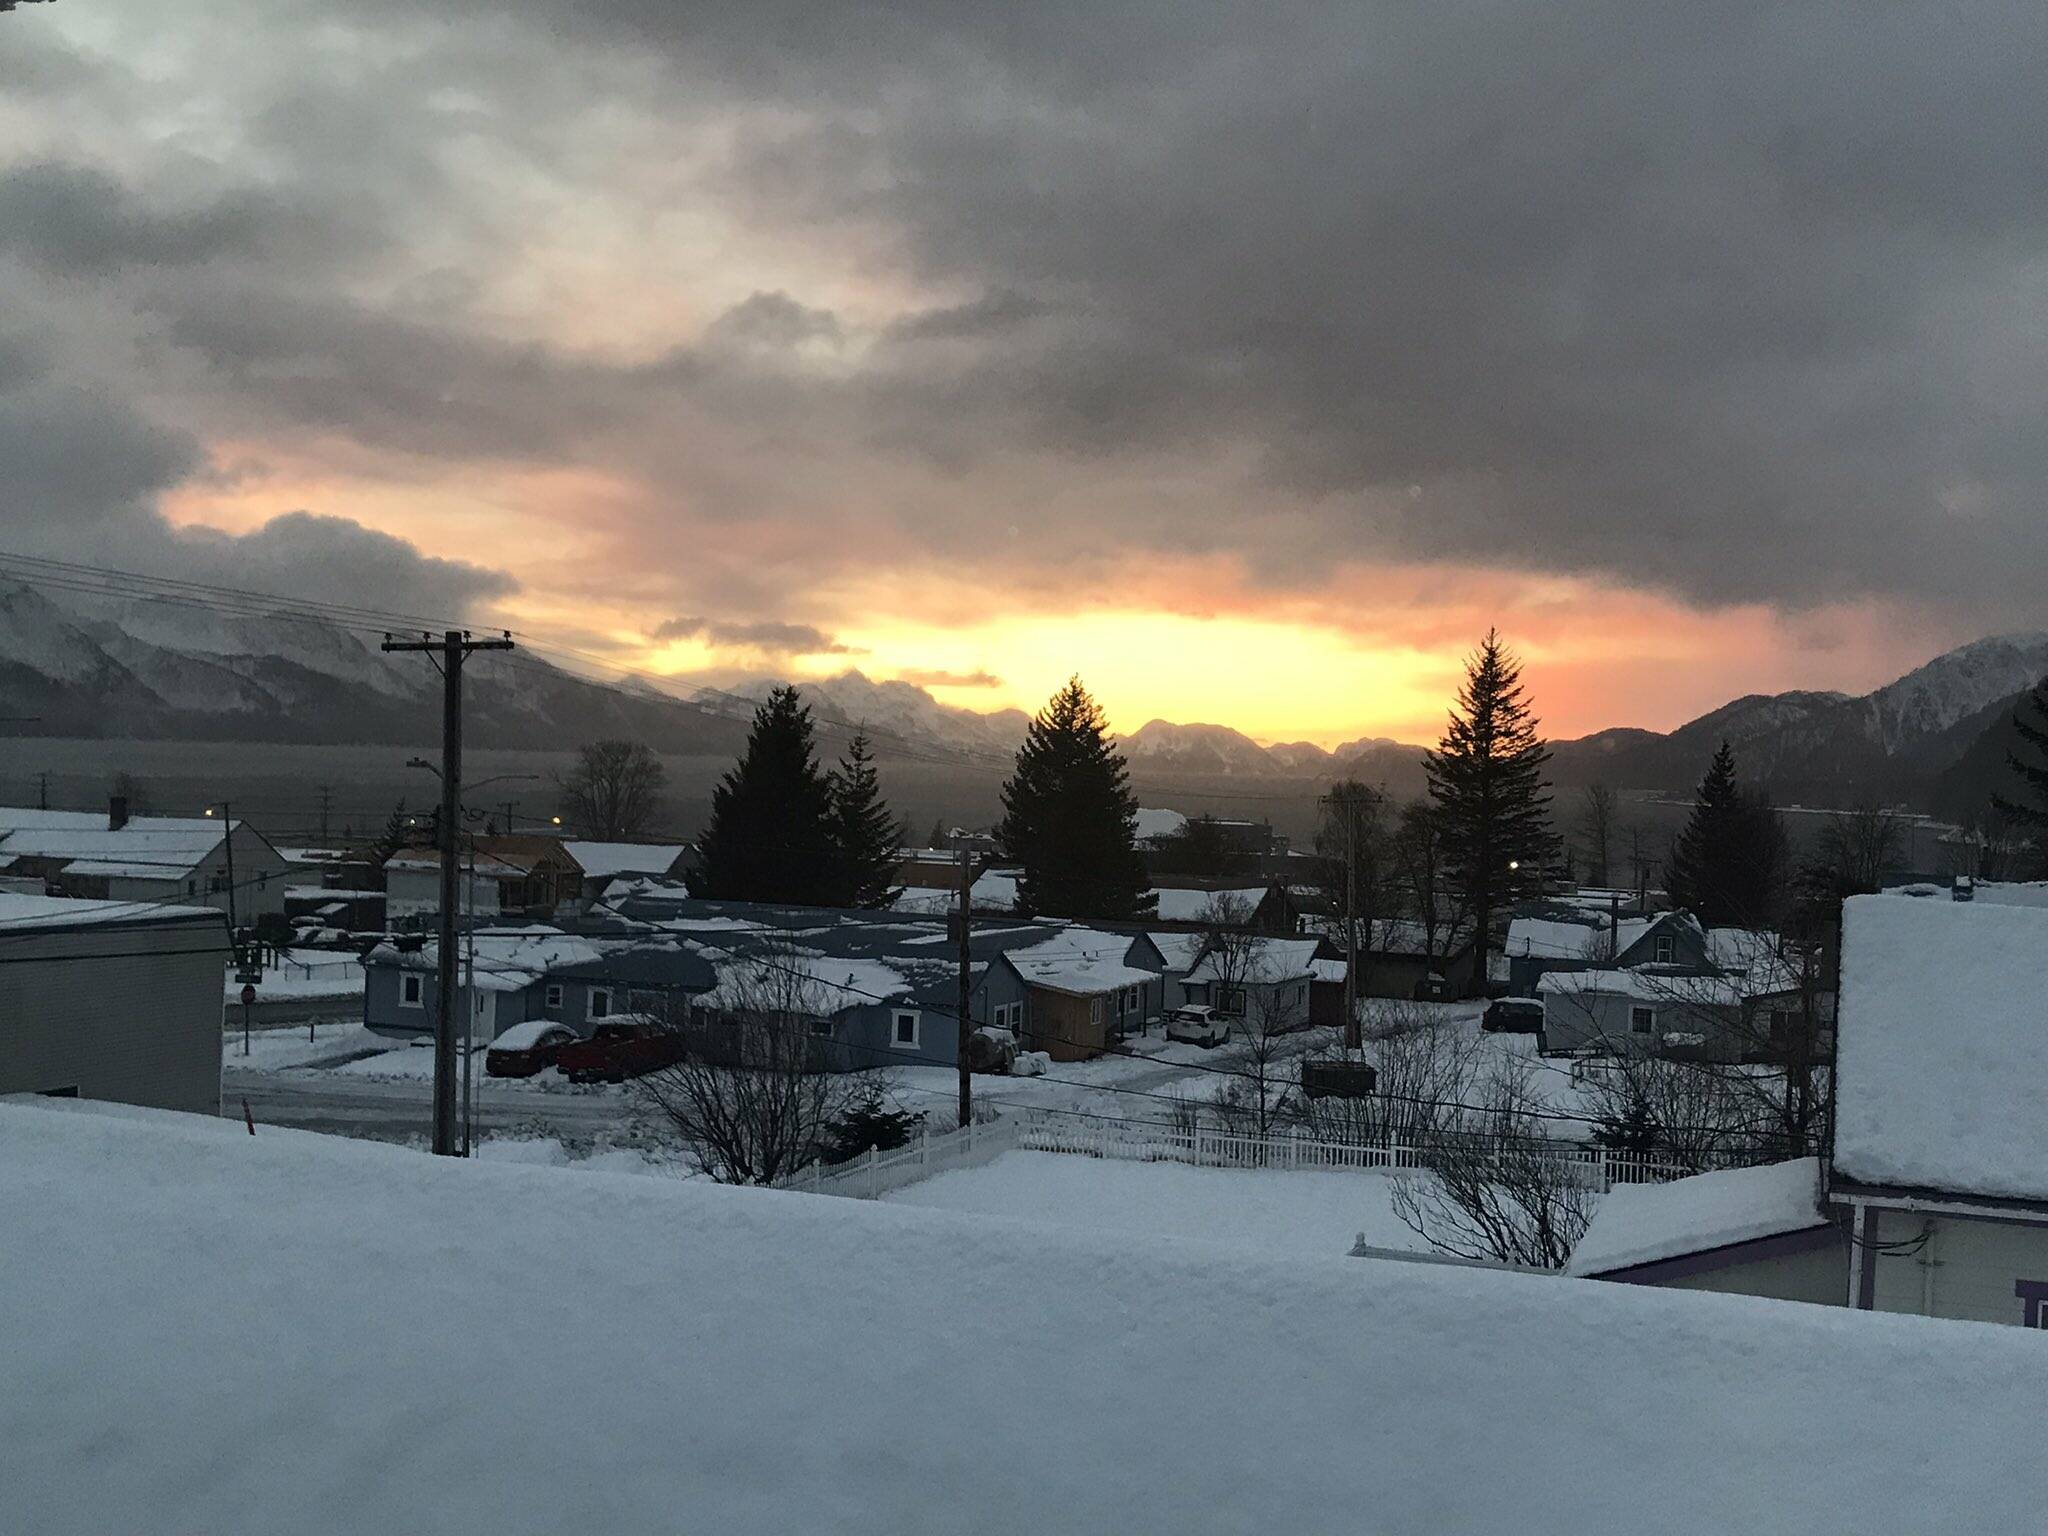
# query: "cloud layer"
786,312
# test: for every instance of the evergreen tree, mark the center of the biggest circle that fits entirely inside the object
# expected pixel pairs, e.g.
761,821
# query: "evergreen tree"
1070,819
771,833
1728,866
868,838
396,834
1486,777
2029,814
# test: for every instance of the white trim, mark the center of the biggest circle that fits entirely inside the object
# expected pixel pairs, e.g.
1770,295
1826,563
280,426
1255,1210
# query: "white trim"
552,997
416,984
600,1004
896,1018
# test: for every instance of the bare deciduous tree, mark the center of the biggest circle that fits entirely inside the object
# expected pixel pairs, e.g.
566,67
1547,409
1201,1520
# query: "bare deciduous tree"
1426,1066
614,790
1493,1186
749,1099
1597,805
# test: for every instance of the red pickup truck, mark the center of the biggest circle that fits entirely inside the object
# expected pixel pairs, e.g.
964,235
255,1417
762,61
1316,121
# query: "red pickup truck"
618,1049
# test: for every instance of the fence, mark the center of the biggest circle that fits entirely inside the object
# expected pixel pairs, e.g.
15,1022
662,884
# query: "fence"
874,1174
1146,1141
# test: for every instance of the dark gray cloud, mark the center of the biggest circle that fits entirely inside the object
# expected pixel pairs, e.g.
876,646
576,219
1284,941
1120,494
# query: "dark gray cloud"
1736,301
769,635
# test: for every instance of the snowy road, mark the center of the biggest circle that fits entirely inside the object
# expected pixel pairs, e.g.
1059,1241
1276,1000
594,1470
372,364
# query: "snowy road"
401,1109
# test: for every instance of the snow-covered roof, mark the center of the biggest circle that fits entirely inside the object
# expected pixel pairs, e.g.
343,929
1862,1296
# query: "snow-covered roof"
21,911
1159,822
483,865
1261,961
1182,906
1643,1223
832,983
1941,1074
1180,949
1081,961
145,848
1328,970
1546,938
727,1403
602,860
506,959
1643,987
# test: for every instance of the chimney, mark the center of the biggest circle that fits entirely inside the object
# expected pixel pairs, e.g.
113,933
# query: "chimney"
117,812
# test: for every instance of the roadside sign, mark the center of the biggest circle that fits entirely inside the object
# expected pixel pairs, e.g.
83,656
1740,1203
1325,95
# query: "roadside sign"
248,977
248,994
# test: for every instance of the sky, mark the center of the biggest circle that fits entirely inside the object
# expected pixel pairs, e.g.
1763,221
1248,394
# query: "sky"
1249,361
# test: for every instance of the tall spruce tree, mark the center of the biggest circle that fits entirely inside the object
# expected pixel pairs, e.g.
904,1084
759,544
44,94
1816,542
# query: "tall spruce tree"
771,833
1070,819
1486,777
869,839
1728,867
2029,768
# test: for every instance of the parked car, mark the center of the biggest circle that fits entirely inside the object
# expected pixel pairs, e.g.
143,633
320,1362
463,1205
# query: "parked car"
527,1048
618,1049
1197,1024
1513,1016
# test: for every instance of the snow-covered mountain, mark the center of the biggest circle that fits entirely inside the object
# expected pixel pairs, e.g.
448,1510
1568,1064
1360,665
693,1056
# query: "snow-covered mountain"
898,711
1957,686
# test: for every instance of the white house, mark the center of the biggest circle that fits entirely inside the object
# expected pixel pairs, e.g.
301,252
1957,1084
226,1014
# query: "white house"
118,857
1263,980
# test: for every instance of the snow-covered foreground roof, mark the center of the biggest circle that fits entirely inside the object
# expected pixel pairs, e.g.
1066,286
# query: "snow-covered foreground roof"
208,1331
1942,1080
24,910
1642,1223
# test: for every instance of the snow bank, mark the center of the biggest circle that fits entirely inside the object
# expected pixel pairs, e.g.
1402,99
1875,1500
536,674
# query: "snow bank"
209,1331
1942,1079
1642,1223
1313,1213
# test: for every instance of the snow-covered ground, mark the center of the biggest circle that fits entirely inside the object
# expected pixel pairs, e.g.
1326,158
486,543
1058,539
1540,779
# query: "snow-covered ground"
303,974
1311,1212
208,1331
293,1046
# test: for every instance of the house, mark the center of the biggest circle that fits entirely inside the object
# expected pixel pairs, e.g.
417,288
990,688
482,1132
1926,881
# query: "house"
118,857
1673,987
1261,981
518,874
1941,1107
1179,949
602,863
1742,1231
1934,1198
112,1000
534,972
1077,992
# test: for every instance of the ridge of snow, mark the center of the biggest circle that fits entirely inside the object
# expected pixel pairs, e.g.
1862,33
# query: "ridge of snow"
291,1332
1642,1223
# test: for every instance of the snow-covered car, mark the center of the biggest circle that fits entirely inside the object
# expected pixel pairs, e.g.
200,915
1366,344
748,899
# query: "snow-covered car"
1197,1024
527,1048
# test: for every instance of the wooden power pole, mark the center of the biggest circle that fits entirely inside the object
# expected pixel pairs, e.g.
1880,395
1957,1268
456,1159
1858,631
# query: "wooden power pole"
453,648
966,987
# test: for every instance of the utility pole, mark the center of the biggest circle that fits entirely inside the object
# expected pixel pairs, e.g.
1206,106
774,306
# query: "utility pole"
1343,805
966,979
454,647
326,804
43,790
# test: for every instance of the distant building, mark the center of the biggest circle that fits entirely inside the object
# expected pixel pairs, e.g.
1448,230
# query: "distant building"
118,857
112,1000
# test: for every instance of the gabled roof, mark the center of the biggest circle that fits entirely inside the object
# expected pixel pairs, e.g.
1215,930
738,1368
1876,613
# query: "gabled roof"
1942,1047
1262,962
144,848
606,860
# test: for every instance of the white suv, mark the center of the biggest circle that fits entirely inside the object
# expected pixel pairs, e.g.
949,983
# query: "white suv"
1197,1024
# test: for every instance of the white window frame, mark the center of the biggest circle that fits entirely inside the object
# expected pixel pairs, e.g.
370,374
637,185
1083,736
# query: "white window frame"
897,1016
552,998
1667,949
412,990
1642,1019
600,1003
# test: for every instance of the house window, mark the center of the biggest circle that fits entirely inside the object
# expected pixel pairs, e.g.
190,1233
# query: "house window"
1094,1010
1230,1000
903,1029
554,995
409,989
1667,949
1641,1021
822,1028
191,887
600,1002
1781,1023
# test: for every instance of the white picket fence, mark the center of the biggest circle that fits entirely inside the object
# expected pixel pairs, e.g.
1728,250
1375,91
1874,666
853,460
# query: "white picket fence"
874,1174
